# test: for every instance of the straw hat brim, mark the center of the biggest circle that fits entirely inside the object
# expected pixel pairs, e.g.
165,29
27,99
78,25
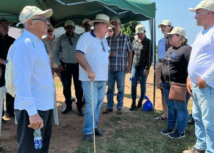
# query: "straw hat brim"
92,22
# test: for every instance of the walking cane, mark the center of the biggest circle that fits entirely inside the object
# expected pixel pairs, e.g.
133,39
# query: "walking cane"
92,102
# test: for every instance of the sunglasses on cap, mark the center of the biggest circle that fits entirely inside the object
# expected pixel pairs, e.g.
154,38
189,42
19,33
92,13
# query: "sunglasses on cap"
43,19
110,31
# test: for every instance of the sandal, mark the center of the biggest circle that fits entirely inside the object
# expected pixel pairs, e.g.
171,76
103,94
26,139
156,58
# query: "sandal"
160,118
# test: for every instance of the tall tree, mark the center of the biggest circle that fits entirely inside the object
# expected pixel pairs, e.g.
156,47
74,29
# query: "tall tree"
129,29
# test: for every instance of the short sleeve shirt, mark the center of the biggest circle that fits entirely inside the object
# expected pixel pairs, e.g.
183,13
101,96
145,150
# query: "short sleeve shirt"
96,55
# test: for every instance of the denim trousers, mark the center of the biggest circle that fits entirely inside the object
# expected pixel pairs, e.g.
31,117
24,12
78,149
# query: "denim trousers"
203,114
177,110
99,88
119,77
137,74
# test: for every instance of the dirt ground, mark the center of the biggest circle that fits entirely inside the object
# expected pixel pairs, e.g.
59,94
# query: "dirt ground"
67,136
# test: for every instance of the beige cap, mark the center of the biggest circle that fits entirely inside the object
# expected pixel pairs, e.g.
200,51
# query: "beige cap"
50,26
177,30
2,19
29,11
101,18
205,4
139,29
116,19
69,22
85,20
165,22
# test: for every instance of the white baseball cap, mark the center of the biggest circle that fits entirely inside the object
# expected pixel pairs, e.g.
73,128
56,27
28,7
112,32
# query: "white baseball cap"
29,11
177,30
205,4
165,22
139,29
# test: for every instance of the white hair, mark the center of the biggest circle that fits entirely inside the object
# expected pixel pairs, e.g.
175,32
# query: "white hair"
25,25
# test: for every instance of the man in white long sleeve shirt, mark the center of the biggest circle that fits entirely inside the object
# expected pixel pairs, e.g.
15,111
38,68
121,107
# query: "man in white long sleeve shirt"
33,81
200,82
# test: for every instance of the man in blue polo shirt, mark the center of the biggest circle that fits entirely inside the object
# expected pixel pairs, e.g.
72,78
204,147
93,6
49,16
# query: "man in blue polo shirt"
92,53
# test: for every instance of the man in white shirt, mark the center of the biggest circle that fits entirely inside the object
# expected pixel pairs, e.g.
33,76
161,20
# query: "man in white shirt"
92,53
33,81
200,82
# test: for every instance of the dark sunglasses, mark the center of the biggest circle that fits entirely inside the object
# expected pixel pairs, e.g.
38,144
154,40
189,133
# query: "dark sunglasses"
103,46
69,27
49,31
86,25
71,43
43,19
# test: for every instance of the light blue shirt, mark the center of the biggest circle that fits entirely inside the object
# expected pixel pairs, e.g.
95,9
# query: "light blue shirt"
33,80
161,49
201,64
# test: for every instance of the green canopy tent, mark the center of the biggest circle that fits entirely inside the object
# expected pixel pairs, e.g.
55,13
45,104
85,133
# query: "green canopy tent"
77,10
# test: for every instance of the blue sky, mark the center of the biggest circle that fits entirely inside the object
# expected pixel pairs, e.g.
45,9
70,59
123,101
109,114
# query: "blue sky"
177,12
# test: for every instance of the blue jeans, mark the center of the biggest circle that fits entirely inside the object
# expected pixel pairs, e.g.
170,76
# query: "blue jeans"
119,77
137,74
177,111
99,88
203,114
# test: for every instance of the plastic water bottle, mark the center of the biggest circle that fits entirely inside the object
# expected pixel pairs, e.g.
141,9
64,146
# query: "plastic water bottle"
37,139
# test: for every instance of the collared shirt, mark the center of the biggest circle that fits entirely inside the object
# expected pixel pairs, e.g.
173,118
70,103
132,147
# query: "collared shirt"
201,63
5,43
96,55
50,45
121,45
65,49
142,53
33,79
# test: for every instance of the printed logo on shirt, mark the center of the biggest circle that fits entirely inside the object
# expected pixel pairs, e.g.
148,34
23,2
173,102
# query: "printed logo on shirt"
174,55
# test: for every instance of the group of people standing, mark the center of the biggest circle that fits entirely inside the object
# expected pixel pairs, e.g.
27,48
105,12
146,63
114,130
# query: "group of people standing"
192,66
92,60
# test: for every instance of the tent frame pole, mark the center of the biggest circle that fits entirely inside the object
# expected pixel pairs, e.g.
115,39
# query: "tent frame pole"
154,57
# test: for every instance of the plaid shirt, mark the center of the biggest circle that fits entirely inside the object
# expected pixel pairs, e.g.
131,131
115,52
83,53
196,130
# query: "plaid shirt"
121,45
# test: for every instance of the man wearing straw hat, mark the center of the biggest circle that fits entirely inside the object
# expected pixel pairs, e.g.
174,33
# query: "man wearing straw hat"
5,43
121,46
33,81
64,57
92,53
200,82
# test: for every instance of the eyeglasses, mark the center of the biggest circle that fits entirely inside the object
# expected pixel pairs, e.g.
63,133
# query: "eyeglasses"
43,19
49,31
71,43
110,31
86,25
103,46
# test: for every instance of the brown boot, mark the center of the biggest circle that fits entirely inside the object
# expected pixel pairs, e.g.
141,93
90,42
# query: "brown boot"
107,110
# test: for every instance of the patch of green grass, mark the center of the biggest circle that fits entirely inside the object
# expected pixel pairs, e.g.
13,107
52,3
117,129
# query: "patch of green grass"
127,95
58,84
138,132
